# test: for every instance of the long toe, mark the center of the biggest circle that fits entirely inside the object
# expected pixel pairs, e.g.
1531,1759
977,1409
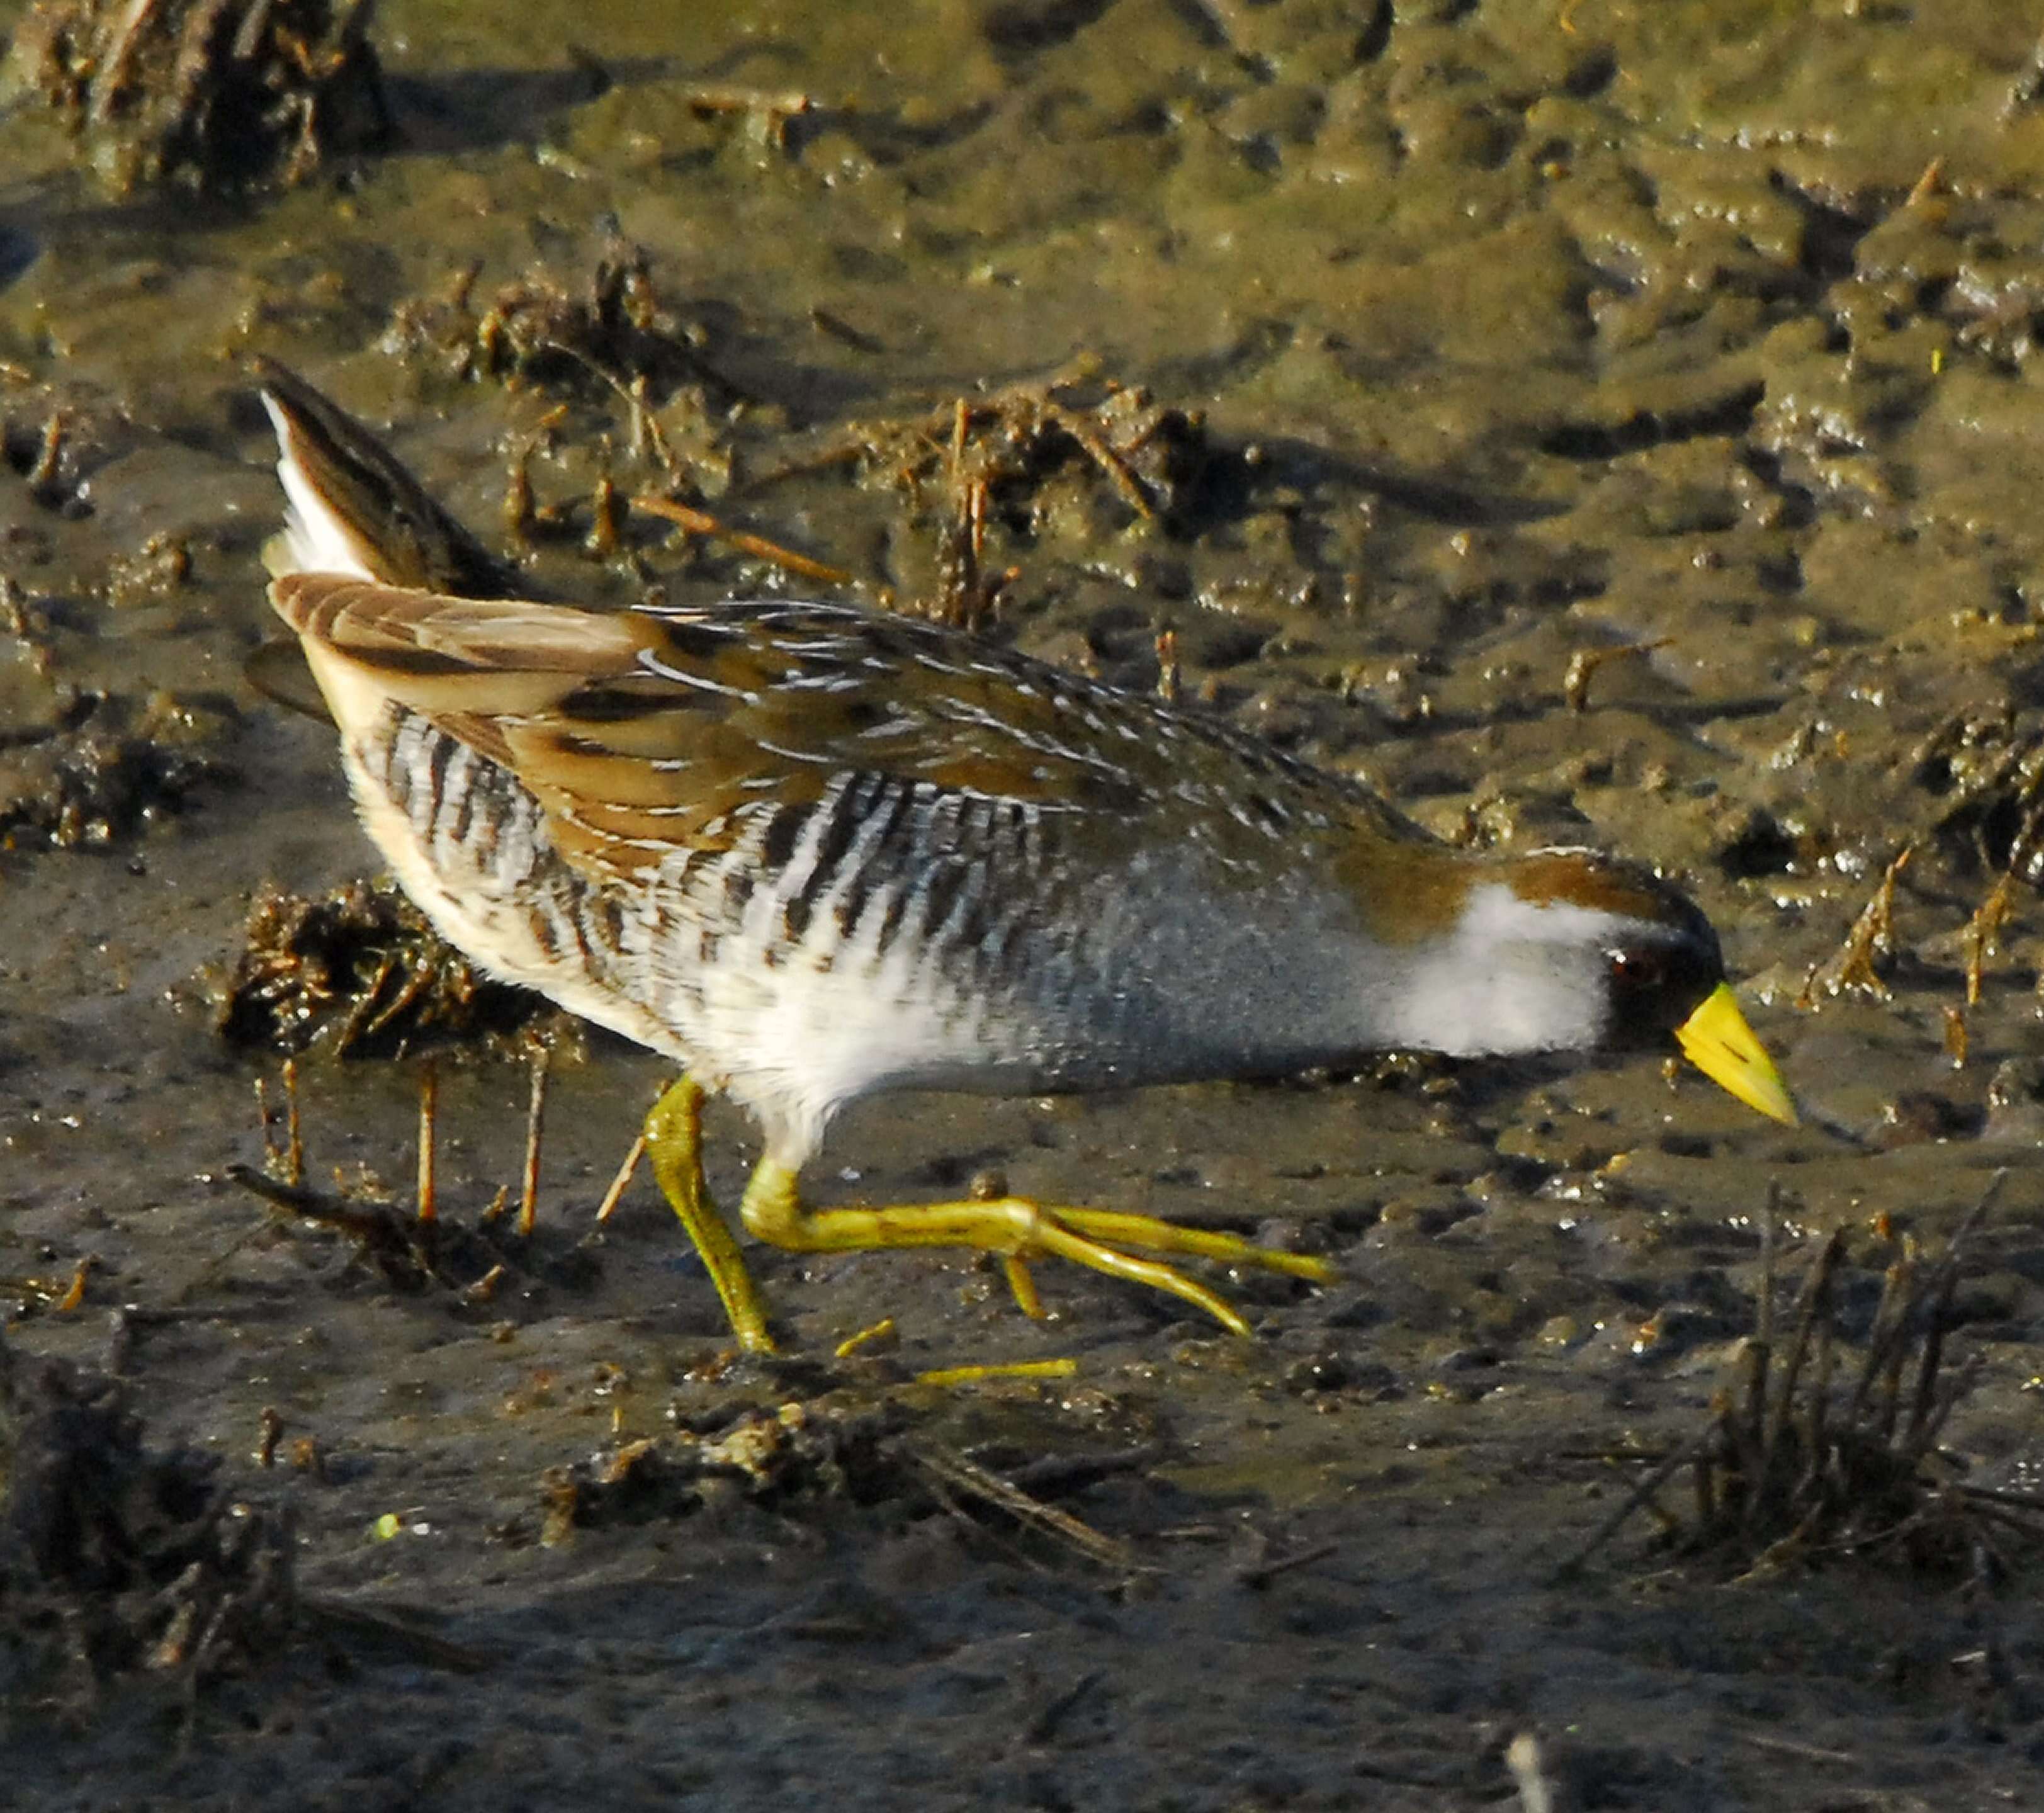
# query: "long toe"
1147,1234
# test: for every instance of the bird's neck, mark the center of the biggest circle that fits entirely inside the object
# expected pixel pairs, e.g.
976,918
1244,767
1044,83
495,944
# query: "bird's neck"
1463,956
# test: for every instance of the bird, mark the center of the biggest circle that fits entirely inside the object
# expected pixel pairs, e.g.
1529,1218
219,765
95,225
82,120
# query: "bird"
809,852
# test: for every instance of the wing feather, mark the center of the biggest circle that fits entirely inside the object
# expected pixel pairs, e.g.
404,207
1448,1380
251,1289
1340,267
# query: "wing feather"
643,732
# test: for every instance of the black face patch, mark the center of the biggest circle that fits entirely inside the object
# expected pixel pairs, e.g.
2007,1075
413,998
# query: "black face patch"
1656,984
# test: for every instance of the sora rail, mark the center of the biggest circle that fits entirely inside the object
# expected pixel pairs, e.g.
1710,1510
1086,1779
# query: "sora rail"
812,851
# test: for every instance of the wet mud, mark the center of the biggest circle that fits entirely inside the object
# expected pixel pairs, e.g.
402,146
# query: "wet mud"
1608,423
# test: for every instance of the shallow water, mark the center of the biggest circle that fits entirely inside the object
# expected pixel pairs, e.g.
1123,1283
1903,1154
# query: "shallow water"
1516,331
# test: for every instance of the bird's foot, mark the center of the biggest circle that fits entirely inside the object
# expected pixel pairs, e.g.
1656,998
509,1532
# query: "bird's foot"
1019,1229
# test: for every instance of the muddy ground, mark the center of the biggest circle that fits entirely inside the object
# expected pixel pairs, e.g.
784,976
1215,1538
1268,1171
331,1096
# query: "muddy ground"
1389,356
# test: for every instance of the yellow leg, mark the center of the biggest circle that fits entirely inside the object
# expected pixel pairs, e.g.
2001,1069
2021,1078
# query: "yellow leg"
1018,1229
674,1141
1022,1287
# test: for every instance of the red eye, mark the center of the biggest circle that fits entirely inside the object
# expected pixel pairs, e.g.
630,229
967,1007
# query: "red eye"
1636,968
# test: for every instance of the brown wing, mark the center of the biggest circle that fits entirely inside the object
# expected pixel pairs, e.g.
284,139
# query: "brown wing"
489,672
824,688
644,731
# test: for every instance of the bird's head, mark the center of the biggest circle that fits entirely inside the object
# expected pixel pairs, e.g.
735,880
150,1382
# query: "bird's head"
1565,950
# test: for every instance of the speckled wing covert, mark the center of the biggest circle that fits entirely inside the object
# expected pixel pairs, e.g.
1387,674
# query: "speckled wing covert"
643,731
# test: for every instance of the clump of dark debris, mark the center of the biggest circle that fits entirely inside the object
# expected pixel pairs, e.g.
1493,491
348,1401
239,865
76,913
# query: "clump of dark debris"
999,471
211,94
99,768
825,1451
115,1559
782,1457
362,973
1015,458
1807,1456
1153,457
612,332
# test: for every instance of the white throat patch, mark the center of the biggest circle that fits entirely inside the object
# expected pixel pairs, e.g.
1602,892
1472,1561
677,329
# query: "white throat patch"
1514,976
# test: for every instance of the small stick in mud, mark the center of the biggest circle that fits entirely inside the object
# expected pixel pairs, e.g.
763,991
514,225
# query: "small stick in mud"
1873,934
535,1111
270,1431
294,1140
711,100
1062,1368
618,1184
519,512
649,439
1168,676
1955,1036
484,1288
701,522
1041,1727
1585,662
1119,472
883,1336
606,512
43,474
950,1476
75,1293
286,1161
1261,1575
1985,927
373,1227
430,1097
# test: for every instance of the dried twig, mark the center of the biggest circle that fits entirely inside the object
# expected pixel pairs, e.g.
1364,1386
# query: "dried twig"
952,1473
536,1113
701,522
429,1095
608,1207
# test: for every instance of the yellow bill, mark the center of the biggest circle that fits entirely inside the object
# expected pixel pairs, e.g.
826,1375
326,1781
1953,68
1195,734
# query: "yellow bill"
1717,1040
